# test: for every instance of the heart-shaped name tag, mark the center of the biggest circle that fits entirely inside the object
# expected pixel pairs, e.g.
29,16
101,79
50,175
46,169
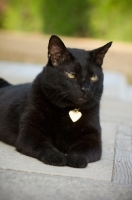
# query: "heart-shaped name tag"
75,115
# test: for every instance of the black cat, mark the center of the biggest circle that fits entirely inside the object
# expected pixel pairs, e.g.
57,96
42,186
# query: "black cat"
56,118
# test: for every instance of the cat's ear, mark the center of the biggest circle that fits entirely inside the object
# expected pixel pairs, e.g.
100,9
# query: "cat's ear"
99,54
57,52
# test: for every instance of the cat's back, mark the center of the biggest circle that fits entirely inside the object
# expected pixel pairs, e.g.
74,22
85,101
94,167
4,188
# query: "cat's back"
12,103
13,93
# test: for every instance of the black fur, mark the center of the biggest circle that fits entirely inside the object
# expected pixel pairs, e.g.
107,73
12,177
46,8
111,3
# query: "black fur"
34,117
4,83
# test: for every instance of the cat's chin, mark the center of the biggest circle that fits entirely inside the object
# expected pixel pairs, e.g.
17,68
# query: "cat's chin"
77,103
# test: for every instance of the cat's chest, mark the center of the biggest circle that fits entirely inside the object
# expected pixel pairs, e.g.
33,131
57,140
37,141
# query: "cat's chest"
71,119
63,119
66,131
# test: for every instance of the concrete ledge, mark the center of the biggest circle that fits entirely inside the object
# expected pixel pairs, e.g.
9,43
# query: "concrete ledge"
21,185
93,182
101,170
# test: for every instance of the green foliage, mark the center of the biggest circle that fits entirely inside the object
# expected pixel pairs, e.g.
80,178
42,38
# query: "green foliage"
23,15
66,17
107,19
111,19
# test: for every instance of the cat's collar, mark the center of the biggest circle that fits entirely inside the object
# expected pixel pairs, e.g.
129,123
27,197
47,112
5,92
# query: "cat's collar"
75,115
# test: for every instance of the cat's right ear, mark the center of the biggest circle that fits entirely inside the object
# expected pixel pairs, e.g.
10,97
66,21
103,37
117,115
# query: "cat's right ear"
57,52
99,54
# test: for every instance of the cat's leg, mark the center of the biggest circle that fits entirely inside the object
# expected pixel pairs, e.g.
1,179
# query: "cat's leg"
87,150
32,142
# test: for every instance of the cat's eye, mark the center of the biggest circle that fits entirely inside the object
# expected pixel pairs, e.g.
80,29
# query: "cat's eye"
94,78
70,75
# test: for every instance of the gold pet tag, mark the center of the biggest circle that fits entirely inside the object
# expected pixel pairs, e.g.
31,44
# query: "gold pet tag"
75,115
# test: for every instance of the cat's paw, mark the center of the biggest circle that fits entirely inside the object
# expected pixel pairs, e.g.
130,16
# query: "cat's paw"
77,160
54,158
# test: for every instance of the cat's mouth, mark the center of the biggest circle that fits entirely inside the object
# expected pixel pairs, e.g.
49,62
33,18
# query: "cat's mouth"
81,100
84,99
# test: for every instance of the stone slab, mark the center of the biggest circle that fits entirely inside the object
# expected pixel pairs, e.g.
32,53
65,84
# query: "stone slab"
122,171
20,185
101,170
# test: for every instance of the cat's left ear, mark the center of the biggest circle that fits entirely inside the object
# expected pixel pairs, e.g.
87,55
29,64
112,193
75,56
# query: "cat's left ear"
99,54
57,52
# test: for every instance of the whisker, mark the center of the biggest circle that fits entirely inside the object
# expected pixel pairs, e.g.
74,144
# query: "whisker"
61,98
57,97
55,94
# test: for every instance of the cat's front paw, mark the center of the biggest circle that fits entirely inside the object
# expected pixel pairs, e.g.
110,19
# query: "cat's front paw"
77,160
54,158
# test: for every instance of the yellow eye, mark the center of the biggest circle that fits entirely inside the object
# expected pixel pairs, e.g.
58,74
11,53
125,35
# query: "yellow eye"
94,78
70,75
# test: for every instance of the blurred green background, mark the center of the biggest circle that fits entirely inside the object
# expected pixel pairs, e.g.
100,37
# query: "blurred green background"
107,19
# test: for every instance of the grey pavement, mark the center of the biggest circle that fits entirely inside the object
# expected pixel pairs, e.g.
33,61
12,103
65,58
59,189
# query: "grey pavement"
21,185
22,177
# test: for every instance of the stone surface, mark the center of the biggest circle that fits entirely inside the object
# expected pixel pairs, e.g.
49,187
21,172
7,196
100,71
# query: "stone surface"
123,156
20,185
101,170
23,177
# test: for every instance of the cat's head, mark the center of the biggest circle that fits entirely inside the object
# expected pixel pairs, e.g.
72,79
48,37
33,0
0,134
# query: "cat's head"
73,77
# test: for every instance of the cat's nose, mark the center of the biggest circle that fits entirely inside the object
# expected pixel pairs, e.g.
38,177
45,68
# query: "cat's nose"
85,91
85,88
